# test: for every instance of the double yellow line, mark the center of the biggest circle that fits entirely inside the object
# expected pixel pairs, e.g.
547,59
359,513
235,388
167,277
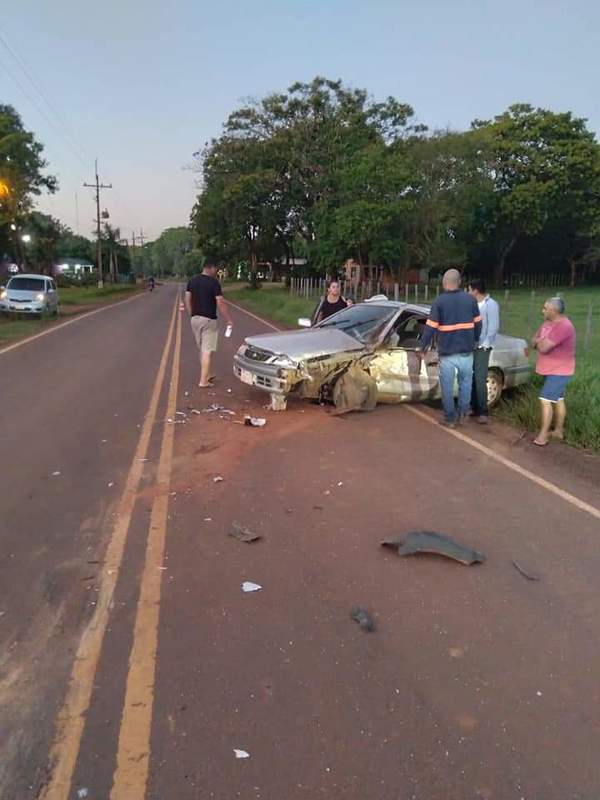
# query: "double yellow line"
130,777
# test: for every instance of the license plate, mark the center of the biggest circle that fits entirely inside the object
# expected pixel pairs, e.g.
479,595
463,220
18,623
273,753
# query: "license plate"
246,377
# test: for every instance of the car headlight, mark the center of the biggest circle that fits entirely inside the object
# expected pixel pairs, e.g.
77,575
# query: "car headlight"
3,295
40,297
286,362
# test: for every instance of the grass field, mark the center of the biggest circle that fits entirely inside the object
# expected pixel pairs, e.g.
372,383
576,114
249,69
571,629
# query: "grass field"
520,316
72,300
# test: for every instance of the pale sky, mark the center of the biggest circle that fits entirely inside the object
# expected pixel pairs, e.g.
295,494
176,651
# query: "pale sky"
142,84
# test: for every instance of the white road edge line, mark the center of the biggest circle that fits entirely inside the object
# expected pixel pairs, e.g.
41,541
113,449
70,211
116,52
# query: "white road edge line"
525,473
250,314
79,317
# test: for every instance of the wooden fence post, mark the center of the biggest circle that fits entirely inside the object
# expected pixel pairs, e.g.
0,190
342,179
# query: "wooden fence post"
588,326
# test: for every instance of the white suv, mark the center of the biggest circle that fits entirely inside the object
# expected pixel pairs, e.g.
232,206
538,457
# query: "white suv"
30,294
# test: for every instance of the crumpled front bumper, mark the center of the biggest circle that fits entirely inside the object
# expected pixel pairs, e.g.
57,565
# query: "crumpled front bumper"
271,378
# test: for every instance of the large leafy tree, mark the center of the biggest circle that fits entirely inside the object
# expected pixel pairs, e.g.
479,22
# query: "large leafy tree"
544,168
170,248
22,175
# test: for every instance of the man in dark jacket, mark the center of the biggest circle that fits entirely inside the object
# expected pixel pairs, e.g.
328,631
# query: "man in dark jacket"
456,320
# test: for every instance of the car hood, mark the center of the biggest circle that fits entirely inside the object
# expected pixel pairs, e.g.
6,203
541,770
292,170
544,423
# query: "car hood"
303,344
22,294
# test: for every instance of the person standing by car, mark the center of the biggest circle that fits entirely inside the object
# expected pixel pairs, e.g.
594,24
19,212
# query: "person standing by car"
555,344
203,295
490,323
332,302
455,318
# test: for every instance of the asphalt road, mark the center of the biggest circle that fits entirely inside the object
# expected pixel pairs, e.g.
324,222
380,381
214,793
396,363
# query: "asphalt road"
133,666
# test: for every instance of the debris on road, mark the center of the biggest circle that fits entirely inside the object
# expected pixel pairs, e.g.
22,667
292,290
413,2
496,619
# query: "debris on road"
215,407
254,422
218,479
248,586
111,484
181,413
207,519
54,474
195,411
340,483
431,542
83,792
525,573
364,619
241,753
242,533
318,508
142,459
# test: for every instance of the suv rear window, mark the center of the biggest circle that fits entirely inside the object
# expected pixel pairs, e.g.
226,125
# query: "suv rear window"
26,284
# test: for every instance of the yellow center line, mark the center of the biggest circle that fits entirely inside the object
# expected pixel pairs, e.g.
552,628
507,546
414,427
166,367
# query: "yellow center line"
71,718
133,754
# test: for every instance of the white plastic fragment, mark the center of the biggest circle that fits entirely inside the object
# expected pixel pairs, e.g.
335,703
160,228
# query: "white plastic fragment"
111,484
218,479
340,483
195,411
83,792
241,753
207,519
54,474
248,586
181,413
254,422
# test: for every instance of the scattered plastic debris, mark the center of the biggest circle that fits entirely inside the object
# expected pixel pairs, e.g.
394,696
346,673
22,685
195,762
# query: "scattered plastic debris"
55,474
104,441
83,792
364,619
195,411
254,422
525,573
248,586
241,753
431,542
181,413
218,479
207,519
340,483
186,394
539,694
111,484
242,533
142,459
215,407
229,391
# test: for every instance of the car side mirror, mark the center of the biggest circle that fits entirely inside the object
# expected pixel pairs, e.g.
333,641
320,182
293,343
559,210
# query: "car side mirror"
304,322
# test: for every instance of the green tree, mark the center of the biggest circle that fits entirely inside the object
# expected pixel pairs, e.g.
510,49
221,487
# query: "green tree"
169,249
22,175
543,167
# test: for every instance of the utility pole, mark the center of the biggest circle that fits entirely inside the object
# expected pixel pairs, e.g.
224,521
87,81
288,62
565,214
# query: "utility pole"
141,237
97,186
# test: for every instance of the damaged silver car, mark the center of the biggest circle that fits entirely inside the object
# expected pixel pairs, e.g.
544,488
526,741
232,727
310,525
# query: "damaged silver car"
364,355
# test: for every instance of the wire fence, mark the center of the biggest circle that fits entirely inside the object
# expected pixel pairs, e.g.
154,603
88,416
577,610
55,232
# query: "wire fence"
520,305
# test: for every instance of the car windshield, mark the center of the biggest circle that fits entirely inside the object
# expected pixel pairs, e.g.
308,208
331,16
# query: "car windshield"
363,322
26,284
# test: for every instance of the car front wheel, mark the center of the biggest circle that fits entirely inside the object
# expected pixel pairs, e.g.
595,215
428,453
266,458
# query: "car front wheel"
495,385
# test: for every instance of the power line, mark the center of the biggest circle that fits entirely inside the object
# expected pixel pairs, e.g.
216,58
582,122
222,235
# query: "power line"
41,110
79,151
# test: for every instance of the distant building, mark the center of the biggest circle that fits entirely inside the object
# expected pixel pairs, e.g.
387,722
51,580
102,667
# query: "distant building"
74,266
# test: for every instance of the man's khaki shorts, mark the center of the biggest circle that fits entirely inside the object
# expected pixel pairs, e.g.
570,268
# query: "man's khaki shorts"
206,333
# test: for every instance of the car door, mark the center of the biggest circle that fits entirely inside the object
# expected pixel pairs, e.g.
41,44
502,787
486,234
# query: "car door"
52,296
399,371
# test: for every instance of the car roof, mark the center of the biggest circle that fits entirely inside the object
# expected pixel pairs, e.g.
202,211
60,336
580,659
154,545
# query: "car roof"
31,275
422,308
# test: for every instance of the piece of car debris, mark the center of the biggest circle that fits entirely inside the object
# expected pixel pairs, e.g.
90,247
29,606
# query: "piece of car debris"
248,586
254,422
218,479
215,407
181,413
525,573
431,542
56,473
364,619
243,534
241,753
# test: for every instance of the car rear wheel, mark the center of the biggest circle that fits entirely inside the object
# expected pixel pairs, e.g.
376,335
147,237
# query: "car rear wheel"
495,385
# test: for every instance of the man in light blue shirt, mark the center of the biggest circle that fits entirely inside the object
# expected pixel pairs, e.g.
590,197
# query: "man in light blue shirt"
490,323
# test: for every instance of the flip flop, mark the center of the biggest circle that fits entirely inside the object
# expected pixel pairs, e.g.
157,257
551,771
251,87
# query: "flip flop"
204,386
540,444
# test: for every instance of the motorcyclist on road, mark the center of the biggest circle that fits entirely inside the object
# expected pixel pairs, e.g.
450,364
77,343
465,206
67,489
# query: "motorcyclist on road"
151,283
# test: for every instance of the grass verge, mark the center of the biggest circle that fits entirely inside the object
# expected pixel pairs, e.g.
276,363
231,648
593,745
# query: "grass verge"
520,316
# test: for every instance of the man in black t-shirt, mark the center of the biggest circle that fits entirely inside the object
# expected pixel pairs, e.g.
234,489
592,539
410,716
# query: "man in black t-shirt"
332,302
203,295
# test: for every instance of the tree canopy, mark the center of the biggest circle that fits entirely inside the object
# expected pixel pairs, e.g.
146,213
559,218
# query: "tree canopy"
326,169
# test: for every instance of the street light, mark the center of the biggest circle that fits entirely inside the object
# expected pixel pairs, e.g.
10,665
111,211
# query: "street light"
26,238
